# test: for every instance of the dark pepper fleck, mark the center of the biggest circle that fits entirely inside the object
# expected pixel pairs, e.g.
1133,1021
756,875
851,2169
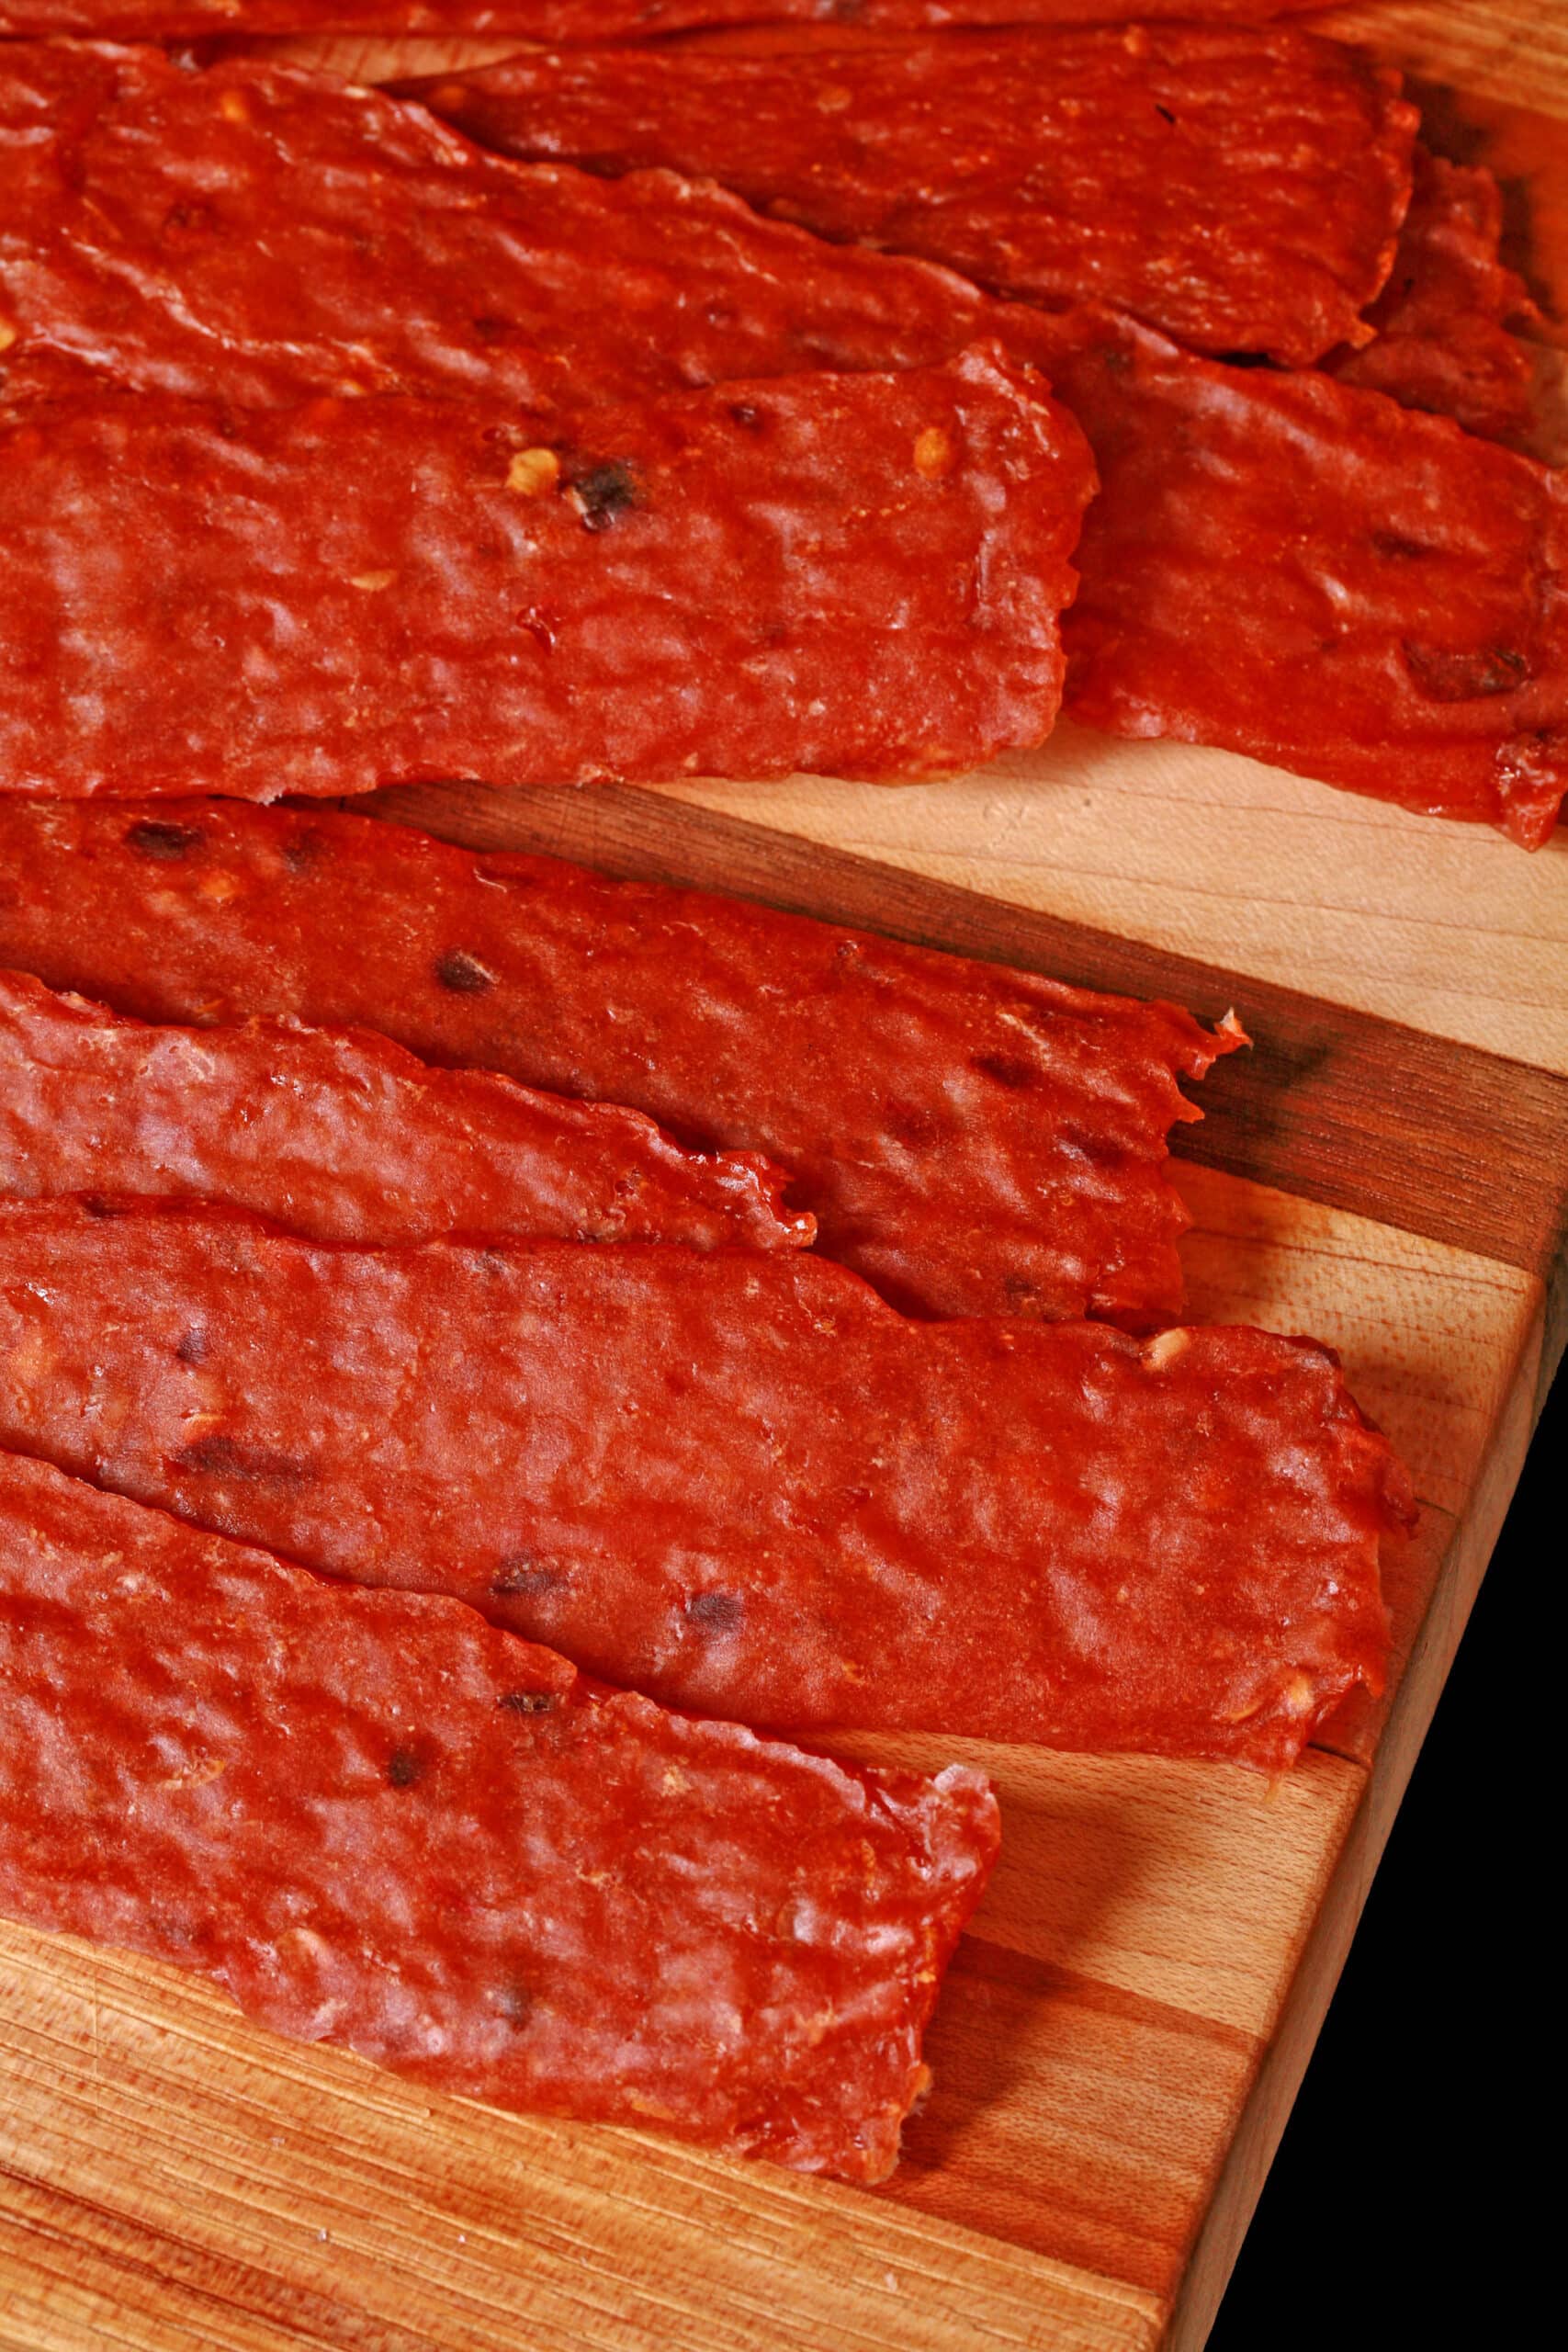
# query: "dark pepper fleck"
716,1613
303,851
529,1702
515,2002
463,973
192,1349
603,494
520,1575
404,1768
151,837
219,1457
1008,1069
1444,676
1396,548
1164,113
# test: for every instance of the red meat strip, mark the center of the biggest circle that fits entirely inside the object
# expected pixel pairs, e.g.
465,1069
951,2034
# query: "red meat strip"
741,1485
345,1137
376,1821
573,20
357,593
1241,191
1315,575
207,234
540,284
975,1140
1445,321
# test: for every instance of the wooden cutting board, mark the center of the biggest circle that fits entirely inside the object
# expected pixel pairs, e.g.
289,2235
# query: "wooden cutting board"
1121,2038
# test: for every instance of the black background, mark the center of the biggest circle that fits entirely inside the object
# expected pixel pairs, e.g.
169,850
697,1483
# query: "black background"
1406,2205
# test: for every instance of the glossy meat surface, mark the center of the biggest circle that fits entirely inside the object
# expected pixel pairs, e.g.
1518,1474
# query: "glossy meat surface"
975,1140
363,591
342,1137
741,1485
1241,191
1305,572
1445,321
376,1821
254,232
496,274
572,20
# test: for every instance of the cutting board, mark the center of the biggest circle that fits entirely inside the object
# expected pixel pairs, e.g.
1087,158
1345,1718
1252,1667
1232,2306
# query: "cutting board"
1123,2033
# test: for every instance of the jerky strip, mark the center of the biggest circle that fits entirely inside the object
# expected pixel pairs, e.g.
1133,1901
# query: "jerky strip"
1312,574
522,280
741,1485
379,1822
345,1137
975,1140
1445,321
207,234
1241,191
568,20
356,593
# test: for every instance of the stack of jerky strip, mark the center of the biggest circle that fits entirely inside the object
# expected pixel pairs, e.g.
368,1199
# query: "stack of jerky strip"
1277,560
463,1332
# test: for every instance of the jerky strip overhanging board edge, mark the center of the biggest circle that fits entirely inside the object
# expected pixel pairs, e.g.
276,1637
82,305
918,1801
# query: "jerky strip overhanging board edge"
741,1483
377,1821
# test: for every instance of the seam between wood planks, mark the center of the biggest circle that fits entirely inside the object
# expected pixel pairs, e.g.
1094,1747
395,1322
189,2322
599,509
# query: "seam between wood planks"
1335,1105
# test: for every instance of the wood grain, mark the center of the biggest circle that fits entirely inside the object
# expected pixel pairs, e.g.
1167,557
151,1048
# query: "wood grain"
1365,1114
1108,2030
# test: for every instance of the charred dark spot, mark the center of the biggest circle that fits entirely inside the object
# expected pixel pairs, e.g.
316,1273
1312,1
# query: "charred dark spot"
1117,362
304,850
529,1702
100,1205
463,973
1396,549
189,219
1245,359
256,1466
603,494
1443,676
405,1769
151,837
520,1577
192,1349
516,2002
1008,1069
749,418
1019,1292
490,327
911,1124
716,1613
1165,114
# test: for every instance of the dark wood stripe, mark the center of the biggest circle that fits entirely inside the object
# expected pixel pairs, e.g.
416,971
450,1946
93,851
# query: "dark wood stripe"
1338,1106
